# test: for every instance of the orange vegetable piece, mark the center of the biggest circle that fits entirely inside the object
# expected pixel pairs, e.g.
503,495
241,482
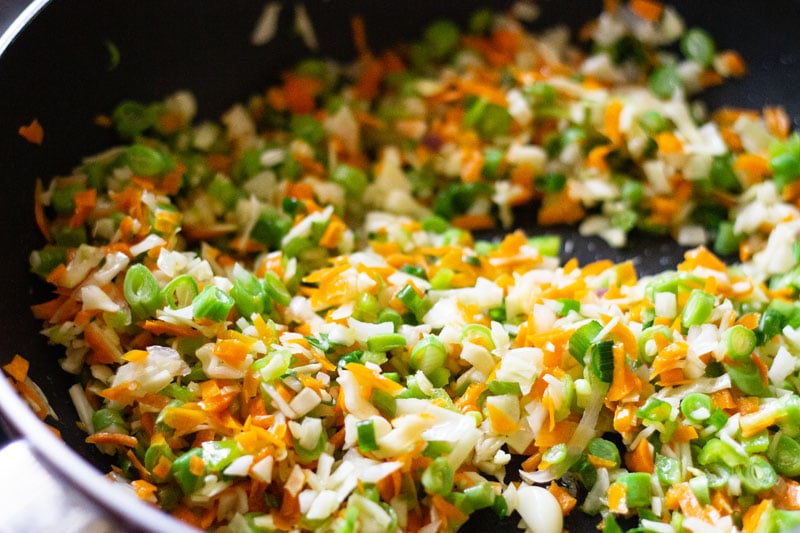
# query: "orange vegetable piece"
17,368
649,10
33,132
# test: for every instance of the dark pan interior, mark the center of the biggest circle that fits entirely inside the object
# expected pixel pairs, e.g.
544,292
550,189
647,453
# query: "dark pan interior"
57,70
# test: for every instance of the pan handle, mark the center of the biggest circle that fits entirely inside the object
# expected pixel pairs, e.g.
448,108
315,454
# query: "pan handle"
35,499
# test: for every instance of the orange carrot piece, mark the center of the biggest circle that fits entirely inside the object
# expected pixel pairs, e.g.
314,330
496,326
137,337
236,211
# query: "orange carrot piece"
84,205
611,122
17,368
733,63
473,222
104,349
778,121
114,439
33,132
649,10
159,327
641,458
668,143
565,500
359,35
754,516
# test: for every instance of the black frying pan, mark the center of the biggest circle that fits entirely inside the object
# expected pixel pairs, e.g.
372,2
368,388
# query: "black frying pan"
57,70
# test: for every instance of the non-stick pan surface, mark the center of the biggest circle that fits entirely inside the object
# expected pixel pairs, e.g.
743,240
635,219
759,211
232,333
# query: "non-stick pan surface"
58,70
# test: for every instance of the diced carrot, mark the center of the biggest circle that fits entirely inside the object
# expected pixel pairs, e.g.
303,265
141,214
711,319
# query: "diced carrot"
300,191
506,41
668,143
611,122
723,399
755,168
560,208
170,122
232,351
710,78
333,233
502,424
368,84
649,10
565,500
196,465
33,132
778,121
531,463
786,494
617,498
701,257
732,63
641,458
597,157
144,490
562,431
473,222
684,433
754,516
300,92
219,163
610,6
17,368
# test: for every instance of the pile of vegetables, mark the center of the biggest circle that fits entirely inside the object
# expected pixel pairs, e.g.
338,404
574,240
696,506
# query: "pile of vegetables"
282,321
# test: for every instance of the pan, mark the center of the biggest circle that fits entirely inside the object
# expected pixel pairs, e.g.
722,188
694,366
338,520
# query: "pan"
55,66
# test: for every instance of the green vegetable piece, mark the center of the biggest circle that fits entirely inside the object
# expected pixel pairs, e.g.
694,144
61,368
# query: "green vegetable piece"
696,407
441,38
698,46
353,180
428,354
142,292
247,292
438,477
107,419
182,471
180,292
785,456
479,496
637,488
668,470
605,450
653,122
145,161
366,435
386,342
581,340
488,119
212,303
698,308
664,81
757,474
602,360
739,342
133,118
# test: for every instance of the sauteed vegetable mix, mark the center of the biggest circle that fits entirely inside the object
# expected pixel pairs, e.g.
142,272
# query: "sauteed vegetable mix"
282,320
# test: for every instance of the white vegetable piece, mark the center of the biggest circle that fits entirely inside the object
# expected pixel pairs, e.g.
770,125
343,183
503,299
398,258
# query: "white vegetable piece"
539,510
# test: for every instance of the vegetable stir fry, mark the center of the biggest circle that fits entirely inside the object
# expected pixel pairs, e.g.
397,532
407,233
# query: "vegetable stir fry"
282,321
